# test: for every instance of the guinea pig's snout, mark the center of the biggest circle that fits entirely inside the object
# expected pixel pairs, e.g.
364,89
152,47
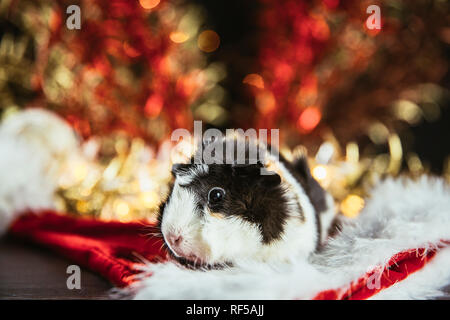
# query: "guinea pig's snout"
174,239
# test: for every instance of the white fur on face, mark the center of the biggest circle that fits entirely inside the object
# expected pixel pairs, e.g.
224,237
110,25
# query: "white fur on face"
182,218
231,238
211,239
187,177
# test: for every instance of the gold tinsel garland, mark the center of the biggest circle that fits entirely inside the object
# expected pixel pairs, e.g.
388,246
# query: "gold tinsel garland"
128,181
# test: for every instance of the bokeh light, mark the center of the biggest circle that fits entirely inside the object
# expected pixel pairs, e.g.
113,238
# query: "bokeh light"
319,172
178,36
352,205
309,118
149,4
154,105
255,80
208,41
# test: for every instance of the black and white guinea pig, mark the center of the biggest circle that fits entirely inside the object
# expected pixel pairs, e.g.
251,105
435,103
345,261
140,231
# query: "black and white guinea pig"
220,214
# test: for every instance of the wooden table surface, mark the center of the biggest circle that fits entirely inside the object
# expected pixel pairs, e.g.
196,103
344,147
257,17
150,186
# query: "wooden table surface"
31,272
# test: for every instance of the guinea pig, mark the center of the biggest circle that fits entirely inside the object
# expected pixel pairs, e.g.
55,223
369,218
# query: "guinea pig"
221,213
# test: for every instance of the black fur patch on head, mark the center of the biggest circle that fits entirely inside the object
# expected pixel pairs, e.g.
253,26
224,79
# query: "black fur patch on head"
238,151
253,197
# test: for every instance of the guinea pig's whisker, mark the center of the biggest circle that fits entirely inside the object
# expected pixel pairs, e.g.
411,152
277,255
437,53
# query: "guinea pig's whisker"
159,240
163,246
154,234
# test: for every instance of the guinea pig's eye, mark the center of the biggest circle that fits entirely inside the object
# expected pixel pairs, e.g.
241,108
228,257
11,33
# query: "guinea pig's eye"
216,195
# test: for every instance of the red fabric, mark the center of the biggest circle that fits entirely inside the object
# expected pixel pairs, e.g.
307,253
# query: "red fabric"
112,249
399,267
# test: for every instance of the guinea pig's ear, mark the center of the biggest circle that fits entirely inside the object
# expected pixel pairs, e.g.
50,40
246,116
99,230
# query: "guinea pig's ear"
267,177
181,168
245,170
270,179
301,166
256,173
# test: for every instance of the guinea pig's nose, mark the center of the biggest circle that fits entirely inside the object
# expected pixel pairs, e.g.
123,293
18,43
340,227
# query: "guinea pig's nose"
175,239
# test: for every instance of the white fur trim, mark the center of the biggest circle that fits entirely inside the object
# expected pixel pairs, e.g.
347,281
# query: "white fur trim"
400,215
31,142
